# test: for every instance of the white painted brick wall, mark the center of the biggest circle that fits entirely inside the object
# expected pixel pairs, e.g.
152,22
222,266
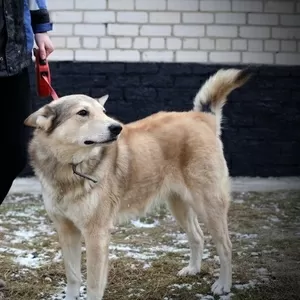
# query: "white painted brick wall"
204,31
189,30
231,18
155,30
197,18
107,43
123,55
262,19
89,4
247,6
218,31
132,17
158,56
251,32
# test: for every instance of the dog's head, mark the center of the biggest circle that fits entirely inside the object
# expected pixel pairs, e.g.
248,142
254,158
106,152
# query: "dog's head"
76,120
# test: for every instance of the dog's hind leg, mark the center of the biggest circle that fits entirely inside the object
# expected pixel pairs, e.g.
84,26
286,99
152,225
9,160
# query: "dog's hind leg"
70,241
219,232
214,214
187,219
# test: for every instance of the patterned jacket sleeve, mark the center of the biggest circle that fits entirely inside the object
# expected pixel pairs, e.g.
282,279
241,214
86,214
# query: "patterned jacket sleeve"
40,19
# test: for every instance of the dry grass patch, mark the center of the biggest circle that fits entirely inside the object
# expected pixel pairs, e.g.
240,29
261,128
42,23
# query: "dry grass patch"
146,255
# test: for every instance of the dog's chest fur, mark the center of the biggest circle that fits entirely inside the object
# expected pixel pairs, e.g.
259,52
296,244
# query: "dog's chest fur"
61,187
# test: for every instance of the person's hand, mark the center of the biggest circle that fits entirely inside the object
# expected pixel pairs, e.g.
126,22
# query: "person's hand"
44,44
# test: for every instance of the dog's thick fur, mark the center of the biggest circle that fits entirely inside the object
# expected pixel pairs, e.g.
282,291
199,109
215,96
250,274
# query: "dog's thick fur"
175,157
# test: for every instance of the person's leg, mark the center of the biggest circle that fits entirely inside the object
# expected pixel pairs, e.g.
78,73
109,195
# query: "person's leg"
16,105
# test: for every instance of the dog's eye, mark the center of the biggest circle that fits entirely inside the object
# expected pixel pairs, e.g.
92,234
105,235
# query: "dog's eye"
83,113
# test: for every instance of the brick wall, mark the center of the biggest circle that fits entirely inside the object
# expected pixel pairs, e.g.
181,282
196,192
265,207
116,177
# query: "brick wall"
236,31
152,55
261,133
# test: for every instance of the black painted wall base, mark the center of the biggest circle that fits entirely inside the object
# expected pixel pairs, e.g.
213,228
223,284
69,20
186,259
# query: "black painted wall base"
261,130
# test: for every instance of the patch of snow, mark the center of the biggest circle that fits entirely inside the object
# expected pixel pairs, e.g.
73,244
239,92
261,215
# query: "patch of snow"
181,286
178,238
141,256
22,235
17,198
135,292
17,214
62,294
217,259
29,235
238,201
276,208
244,286
147,265
205,256
145,254
58,256
31,260
26,258
274,219
134,253
139,224
169,249
28,214
269,251
13,251
26,185
204,297
263,274
226,297
244,235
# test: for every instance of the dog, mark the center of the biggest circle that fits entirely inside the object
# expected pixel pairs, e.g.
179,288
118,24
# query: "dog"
94,171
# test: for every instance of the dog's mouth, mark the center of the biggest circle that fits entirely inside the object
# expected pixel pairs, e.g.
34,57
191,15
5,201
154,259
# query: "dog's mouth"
91,142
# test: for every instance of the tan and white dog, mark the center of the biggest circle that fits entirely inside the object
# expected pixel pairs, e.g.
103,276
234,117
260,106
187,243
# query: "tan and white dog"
94,170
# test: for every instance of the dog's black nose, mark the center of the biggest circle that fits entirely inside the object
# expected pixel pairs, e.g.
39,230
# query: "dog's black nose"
115,129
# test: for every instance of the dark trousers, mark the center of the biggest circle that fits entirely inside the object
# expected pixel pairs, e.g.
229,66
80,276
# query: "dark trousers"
15,106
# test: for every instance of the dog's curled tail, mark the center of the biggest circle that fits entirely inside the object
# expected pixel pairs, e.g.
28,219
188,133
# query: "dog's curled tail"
213,94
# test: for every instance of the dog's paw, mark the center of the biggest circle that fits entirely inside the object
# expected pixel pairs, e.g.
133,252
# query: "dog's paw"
188,271
220,288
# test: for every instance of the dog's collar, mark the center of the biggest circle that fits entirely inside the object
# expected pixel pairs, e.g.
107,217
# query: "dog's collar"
82,175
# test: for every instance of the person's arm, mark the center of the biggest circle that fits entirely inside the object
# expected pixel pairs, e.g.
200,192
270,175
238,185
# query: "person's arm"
40,22
40,19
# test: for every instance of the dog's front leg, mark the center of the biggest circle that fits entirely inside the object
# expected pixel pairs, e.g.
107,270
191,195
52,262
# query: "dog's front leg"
97,242
70,241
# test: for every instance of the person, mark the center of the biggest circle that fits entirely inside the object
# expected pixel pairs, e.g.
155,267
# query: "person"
21,22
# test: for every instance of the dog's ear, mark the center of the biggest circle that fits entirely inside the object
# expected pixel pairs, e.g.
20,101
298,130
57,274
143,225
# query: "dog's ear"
103,100
42,118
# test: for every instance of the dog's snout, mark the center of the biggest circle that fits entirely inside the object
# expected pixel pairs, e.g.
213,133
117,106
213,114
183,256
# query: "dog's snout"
115,129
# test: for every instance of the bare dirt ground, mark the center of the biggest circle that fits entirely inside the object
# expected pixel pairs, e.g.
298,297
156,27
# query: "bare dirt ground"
146,254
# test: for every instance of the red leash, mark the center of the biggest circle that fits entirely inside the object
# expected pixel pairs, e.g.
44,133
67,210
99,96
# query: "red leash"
43,77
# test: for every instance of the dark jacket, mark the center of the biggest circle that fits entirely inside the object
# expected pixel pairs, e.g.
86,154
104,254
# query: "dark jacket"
19,20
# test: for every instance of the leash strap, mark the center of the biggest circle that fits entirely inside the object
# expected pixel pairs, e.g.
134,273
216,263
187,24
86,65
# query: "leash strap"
52,91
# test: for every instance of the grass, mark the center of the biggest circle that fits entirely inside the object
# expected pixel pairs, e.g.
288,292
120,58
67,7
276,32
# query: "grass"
144,262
